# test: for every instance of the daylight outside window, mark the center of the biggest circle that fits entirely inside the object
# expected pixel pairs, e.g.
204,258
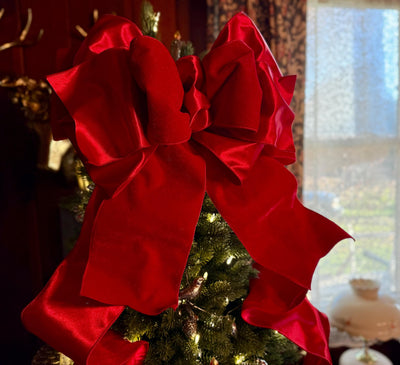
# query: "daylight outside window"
351,142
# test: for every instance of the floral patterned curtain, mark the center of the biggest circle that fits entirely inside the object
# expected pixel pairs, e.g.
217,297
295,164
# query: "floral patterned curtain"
283,24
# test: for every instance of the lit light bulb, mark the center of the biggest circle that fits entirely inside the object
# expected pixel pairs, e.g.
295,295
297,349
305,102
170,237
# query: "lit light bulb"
278,334
196,338
239,359
156,20
205,275
211,217
229,261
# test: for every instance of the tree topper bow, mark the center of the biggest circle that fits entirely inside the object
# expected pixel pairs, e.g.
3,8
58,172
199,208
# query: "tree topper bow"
155,135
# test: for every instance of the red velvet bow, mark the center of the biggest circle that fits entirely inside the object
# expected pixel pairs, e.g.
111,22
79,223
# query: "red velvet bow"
154,136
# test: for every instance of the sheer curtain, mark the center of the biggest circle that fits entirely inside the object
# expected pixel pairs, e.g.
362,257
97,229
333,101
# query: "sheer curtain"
351,142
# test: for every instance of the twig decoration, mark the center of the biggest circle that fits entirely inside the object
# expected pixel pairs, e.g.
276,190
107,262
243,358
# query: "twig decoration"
21,40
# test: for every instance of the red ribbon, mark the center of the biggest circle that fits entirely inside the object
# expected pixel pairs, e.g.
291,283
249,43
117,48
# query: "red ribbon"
154,136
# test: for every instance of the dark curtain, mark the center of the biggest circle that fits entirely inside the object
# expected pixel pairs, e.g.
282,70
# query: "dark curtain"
283,25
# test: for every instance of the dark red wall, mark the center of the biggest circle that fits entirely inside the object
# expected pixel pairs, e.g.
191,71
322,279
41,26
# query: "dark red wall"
60,40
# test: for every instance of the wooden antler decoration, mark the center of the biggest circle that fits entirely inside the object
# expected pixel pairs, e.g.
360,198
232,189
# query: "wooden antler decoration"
82,31
21,40
95,17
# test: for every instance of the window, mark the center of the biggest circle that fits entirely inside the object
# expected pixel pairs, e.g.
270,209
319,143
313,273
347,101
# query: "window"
351,142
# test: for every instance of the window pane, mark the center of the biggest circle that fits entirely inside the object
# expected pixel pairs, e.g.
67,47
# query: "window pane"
351,141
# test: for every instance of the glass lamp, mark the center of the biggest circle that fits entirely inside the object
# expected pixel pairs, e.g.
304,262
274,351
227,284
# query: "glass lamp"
366,314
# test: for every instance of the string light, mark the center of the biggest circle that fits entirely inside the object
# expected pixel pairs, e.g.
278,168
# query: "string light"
156,20
229,261
211,217
239,359
196,338
205,275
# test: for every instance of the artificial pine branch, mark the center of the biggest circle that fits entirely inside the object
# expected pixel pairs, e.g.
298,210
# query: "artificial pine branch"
149,20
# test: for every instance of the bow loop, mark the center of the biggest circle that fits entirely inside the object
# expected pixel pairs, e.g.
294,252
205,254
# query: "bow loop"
233,88
155,72
229,74
111,138
242,28
249,100
109,32
143,94
286,86
274,114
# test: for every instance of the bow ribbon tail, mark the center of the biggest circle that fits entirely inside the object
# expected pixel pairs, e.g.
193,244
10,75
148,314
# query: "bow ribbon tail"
75,325
150,187
151,223
280,234
271,303
142,237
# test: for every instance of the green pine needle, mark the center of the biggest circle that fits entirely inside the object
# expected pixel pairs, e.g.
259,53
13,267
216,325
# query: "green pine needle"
149,20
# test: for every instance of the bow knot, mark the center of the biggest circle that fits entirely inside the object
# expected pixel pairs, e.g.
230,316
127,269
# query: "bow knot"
155,72
195,102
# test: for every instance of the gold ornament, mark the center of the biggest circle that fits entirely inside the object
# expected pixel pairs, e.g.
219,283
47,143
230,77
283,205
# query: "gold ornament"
32,96
48,356
176,46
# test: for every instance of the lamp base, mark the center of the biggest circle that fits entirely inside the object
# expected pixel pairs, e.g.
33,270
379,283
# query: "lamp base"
352,357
